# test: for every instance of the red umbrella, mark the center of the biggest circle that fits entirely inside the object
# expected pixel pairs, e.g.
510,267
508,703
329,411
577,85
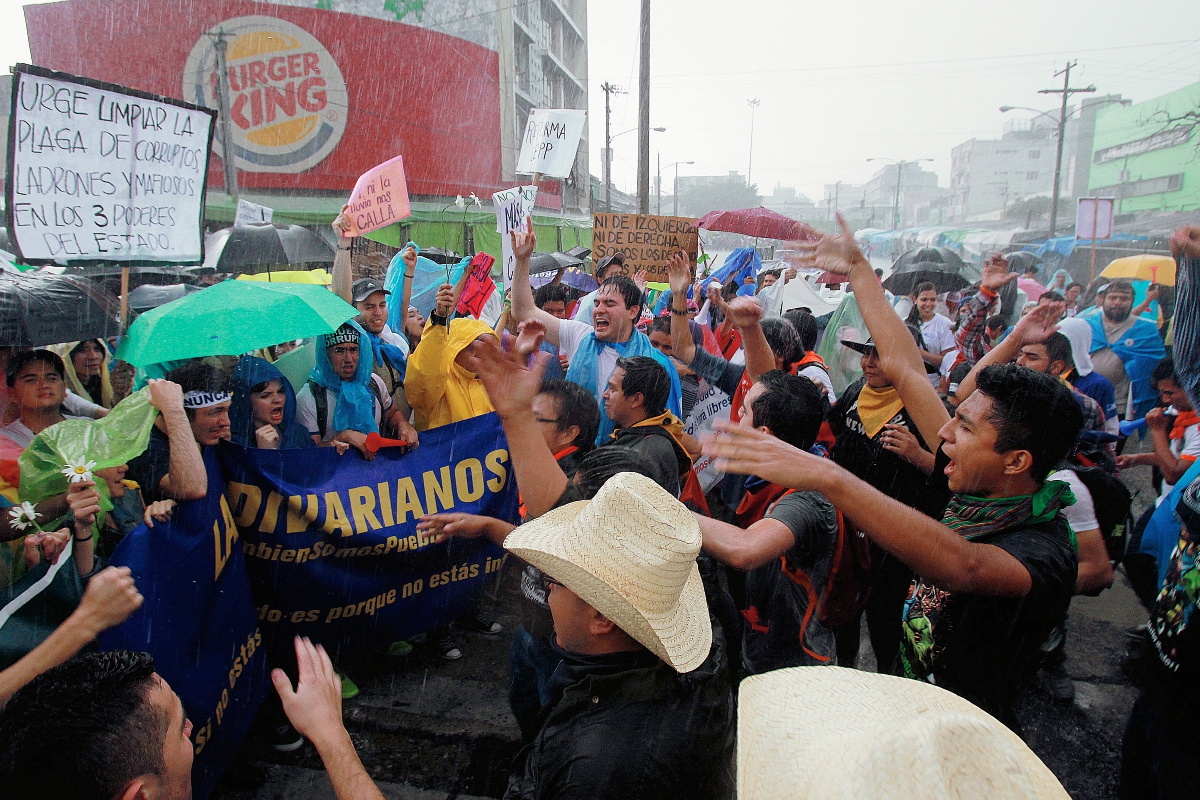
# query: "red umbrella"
832,278
759,222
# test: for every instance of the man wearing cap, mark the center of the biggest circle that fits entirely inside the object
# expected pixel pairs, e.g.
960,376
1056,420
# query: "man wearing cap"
608,267
193,402
343,399
388,350
1125,348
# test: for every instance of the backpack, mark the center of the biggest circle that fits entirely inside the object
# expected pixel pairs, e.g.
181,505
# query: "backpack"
321,401
1112,502
849,582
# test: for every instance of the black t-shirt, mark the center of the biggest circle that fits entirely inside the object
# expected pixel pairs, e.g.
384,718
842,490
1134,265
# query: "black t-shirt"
152,466
776,605
535,611
867,459
988,648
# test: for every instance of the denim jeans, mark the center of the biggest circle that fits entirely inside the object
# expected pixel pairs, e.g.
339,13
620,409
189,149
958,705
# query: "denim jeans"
1158,756
531,662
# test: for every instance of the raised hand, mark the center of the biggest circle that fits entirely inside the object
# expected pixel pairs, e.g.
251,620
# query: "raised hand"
409,257
165,395
444,301
1038,324
529,340
837,254
996,274
110,598
641,278
679,274
748,451
341,224
314,707
523,242
511,379
1185,241
743,312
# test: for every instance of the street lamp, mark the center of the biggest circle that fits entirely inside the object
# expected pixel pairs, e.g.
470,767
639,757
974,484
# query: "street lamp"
899,172
675,189
753,103
608,162
1062,125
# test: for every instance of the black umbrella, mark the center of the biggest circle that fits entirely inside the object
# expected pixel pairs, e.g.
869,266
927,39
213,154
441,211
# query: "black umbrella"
251,249
40,308
440,255
937,265
148,296
580,252
1021,261
552,262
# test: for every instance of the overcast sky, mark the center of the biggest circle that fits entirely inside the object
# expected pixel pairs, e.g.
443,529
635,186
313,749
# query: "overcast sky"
844,82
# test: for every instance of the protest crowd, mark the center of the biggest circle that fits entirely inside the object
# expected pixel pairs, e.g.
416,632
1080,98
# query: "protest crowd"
680,636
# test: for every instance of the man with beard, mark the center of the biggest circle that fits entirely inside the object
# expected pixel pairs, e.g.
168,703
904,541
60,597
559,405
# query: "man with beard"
1125,349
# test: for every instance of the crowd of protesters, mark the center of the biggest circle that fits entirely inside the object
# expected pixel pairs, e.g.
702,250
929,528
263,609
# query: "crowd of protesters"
957,495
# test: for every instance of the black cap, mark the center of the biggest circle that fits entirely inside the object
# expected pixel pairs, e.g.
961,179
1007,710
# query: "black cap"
869,344
363,288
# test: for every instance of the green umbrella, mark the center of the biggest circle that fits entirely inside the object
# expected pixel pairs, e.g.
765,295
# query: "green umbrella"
232,318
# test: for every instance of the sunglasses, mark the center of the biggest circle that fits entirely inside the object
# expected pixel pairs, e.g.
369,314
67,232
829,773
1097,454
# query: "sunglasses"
547,582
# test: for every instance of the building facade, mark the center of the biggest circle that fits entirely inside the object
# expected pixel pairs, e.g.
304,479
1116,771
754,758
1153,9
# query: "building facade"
988,175
1147,155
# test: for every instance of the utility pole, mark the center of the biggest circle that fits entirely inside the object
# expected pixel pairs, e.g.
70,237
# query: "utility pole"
644,114
658,185
1066,93
228,155
836,191
675,188
896,205
753,103
609,90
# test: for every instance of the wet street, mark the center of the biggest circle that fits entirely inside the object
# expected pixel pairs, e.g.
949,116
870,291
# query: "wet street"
427,729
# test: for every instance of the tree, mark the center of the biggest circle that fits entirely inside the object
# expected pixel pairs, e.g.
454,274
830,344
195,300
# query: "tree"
696,201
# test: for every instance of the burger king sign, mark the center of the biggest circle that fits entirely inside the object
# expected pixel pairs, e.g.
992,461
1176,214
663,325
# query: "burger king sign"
287,97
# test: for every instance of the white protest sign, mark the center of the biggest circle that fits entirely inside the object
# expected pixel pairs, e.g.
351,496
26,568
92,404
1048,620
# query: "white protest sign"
1094,218
710,407
251,214
551,139
100,172
513,207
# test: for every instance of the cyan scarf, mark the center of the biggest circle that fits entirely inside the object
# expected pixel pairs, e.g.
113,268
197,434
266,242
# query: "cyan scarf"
585,369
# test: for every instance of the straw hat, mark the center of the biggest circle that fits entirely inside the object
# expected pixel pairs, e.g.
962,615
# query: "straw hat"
630,553
834,733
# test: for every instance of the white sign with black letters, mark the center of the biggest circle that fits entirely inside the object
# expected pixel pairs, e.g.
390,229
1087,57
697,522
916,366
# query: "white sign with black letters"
550,142
99,172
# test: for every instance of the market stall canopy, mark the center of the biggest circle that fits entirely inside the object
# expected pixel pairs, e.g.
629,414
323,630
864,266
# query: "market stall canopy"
41,308
1156,269
938,265
260,248
231,318
761,223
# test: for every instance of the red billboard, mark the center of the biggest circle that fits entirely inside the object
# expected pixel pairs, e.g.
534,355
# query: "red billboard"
317,97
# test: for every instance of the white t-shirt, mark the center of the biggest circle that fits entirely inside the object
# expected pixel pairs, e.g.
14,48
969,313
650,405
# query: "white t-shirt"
815,373
1081,515
306,407
938,334
19,432
1186,448
571,334
74,404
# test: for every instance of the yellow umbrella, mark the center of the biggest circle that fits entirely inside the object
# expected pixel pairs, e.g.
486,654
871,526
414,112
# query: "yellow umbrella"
315,276
1157,269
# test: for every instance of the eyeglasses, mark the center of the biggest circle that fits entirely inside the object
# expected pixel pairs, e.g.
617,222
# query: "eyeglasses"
548,421
547,582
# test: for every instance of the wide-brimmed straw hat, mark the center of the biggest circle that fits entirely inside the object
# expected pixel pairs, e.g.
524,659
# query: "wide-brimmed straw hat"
630,553
836,734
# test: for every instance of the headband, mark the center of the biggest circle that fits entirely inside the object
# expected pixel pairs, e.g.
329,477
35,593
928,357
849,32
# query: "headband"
343,335
205,399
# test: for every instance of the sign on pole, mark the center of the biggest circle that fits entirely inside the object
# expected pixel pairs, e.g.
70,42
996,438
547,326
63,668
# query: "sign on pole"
380,197
646,241
1094,218
513,207
251,214
100,172
550,142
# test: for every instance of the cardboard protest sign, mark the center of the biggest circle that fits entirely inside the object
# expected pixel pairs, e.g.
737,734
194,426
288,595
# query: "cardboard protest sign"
646,241
380,197
1094,217
100,172
513,207
251,214
479,286
550,142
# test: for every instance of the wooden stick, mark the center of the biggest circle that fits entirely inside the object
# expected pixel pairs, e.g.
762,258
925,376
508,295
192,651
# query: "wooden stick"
124,298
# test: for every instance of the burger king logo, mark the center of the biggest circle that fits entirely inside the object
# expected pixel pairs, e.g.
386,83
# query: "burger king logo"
287,97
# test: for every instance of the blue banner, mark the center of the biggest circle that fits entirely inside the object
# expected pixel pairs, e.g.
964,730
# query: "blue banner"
199,623
331,543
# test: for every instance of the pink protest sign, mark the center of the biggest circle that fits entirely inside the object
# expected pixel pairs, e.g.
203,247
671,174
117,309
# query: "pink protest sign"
380,197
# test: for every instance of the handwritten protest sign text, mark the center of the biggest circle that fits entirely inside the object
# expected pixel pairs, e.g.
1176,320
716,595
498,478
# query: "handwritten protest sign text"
550,142
380,197
646,241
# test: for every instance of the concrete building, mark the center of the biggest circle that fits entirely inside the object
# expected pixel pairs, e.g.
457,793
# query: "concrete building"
1147,155
988,175
899,191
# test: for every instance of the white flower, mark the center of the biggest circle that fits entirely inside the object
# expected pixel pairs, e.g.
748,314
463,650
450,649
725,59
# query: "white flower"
23,516
475,200
78,472
458,201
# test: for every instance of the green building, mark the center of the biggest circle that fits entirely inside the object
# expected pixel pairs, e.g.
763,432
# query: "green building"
1148,155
